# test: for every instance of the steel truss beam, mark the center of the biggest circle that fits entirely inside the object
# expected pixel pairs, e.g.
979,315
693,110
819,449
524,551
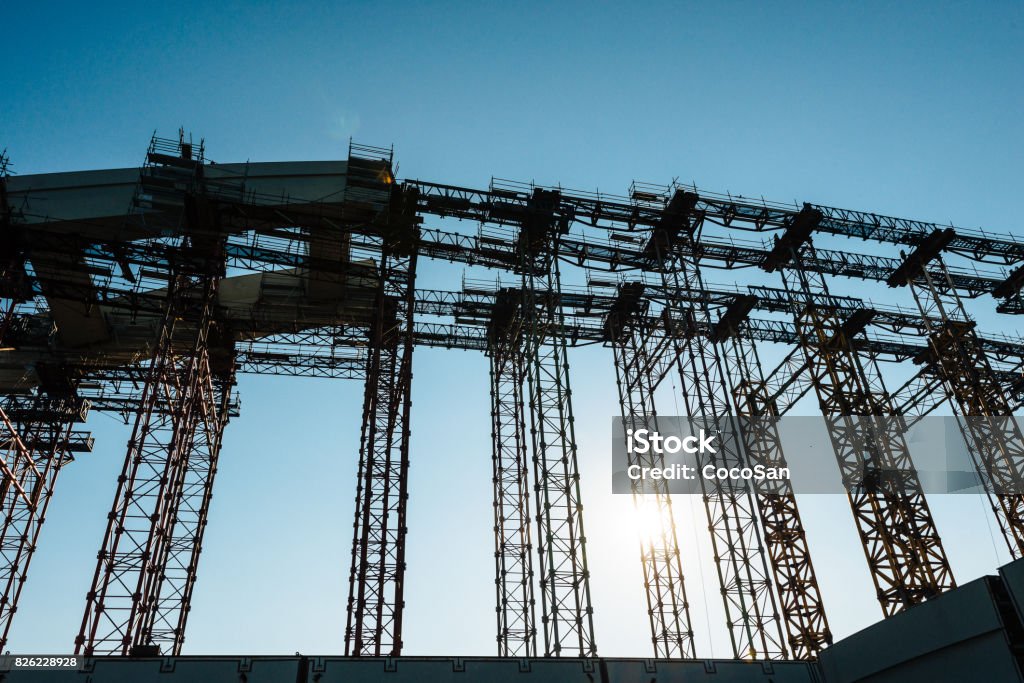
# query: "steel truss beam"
145,568
191,509
640,365
501,205
807,630
752,614
377,576
904,552
513,548
127,609
956,358
36,440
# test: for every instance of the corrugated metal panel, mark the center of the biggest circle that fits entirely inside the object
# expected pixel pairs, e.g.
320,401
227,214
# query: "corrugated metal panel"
958,636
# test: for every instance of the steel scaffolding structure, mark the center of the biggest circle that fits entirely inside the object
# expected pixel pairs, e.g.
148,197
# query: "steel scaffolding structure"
36,435
38,441
567,615
807,631
643,358
145,568
513,550
903,548
376,582
957,359
137,315
752,615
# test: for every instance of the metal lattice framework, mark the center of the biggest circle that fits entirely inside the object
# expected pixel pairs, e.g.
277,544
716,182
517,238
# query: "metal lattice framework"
37,440
957,359
568,622
376,582
751,611
807,630
643,357
336,297
138,602
903,548
513,550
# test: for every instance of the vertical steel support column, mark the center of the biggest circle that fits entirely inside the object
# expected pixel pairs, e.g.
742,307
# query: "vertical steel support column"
561,543
377,576
36,441
131,607
806,624
191,506
904,552
131,564
752,614
986,420
639,366
513,551
376,581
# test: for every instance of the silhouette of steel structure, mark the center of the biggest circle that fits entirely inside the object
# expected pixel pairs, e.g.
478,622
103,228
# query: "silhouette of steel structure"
145,294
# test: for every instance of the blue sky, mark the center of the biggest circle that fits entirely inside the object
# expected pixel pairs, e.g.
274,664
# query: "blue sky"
902,108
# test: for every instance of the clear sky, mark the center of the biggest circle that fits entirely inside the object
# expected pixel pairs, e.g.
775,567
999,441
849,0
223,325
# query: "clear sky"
901,108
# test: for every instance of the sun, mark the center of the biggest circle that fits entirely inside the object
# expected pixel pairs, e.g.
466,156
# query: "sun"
652,521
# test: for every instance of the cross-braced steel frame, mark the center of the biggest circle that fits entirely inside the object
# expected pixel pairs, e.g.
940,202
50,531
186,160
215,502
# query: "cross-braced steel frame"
513,549
191,509
146,573
643,357
568,621
376,579
36,441
905,555
145,569
132,606
807,630
956,358
751,609
36,437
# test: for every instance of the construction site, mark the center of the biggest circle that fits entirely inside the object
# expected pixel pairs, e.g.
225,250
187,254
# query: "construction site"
146,292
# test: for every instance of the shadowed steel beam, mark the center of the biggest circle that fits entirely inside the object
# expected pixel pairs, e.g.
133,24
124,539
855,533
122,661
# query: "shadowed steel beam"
377,577
905,555
638,351
568,621
513,551
956,356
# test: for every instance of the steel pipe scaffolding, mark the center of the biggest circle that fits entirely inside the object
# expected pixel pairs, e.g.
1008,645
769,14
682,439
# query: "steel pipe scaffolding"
643,359
135,313
145,567
513,547
905,555
956,357
805,621
751,609
567,615
377,577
